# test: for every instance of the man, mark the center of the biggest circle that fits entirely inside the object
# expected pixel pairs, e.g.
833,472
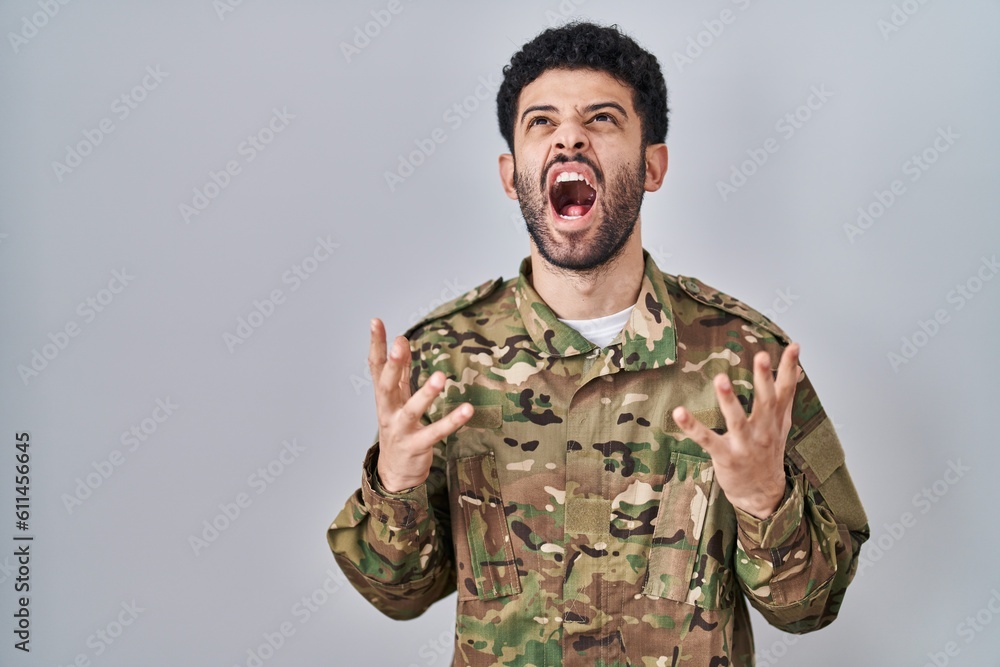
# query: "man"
599,456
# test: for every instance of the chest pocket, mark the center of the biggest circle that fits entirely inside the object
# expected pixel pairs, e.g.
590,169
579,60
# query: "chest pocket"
483,552
693,538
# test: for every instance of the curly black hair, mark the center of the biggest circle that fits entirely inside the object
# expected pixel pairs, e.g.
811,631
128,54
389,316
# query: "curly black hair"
579,45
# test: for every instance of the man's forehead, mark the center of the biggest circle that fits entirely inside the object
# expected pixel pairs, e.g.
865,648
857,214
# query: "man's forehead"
562,87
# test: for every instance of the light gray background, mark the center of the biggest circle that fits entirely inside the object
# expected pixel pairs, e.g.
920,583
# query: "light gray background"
778,243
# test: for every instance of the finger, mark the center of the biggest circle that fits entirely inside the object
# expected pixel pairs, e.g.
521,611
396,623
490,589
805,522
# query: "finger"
709,440
763,382
421,401
388,381
786,420
444,427
377,357
376,348
731,408
404,376
788,375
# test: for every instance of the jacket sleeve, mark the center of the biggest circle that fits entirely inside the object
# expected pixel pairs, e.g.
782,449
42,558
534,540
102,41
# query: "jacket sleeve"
395,548
796,564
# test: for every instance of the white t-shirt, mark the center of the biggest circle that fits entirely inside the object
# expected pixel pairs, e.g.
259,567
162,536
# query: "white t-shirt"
601,330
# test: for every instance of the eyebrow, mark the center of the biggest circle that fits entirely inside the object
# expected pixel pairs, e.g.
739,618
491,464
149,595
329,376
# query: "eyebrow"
589,109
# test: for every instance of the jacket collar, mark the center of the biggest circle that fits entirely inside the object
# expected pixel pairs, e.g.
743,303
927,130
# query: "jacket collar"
647,341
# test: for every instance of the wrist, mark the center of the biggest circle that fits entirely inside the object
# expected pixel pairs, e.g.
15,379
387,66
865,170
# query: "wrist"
764,503
395,485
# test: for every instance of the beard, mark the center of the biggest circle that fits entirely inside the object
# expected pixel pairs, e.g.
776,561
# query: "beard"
620,203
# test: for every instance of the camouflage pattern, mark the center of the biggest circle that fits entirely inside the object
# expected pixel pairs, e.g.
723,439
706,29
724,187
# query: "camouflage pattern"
576,521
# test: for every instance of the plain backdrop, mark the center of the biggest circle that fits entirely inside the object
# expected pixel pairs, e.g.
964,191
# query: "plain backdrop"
198,192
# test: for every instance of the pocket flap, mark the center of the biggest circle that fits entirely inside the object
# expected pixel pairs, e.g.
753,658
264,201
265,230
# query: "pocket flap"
483,416
710,417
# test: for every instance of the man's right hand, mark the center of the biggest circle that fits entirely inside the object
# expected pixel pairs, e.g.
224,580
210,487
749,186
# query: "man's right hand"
406,447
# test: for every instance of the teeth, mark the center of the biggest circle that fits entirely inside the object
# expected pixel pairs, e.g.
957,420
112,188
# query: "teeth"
572,176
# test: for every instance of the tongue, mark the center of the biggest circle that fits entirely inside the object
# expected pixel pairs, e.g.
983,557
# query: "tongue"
574,210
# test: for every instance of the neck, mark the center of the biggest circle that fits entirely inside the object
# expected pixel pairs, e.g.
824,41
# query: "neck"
584,295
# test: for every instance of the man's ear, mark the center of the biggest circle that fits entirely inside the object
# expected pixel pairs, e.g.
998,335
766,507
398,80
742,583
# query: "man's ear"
507,175
656,166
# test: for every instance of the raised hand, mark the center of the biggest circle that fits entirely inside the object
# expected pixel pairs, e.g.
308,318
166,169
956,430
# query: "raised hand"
406,447
748,458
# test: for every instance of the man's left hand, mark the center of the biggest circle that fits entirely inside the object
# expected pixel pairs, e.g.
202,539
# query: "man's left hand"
748,458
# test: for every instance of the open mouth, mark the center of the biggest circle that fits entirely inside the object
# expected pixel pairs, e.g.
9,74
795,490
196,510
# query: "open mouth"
572,195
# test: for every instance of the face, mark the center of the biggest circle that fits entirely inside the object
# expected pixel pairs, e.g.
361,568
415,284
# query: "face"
579,170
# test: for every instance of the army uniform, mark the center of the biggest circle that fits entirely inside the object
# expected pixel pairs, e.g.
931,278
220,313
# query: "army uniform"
578,523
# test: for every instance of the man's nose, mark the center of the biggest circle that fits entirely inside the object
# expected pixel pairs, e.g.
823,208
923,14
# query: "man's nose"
570,137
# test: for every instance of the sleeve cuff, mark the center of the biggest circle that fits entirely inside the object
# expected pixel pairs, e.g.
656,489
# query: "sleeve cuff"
776,529
404,509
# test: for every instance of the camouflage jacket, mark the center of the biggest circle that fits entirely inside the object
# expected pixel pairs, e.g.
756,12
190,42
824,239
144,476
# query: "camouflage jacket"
576,521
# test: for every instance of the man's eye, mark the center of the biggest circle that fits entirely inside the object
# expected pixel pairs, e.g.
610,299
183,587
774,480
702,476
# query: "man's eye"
606,116
537,119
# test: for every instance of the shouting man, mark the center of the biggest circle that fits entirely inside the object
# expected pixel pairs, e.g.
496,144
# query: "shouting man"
606,461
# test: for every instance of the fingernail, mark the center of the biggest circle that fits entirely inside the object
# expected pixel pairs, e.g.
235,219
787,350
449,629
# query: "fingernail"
372,324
